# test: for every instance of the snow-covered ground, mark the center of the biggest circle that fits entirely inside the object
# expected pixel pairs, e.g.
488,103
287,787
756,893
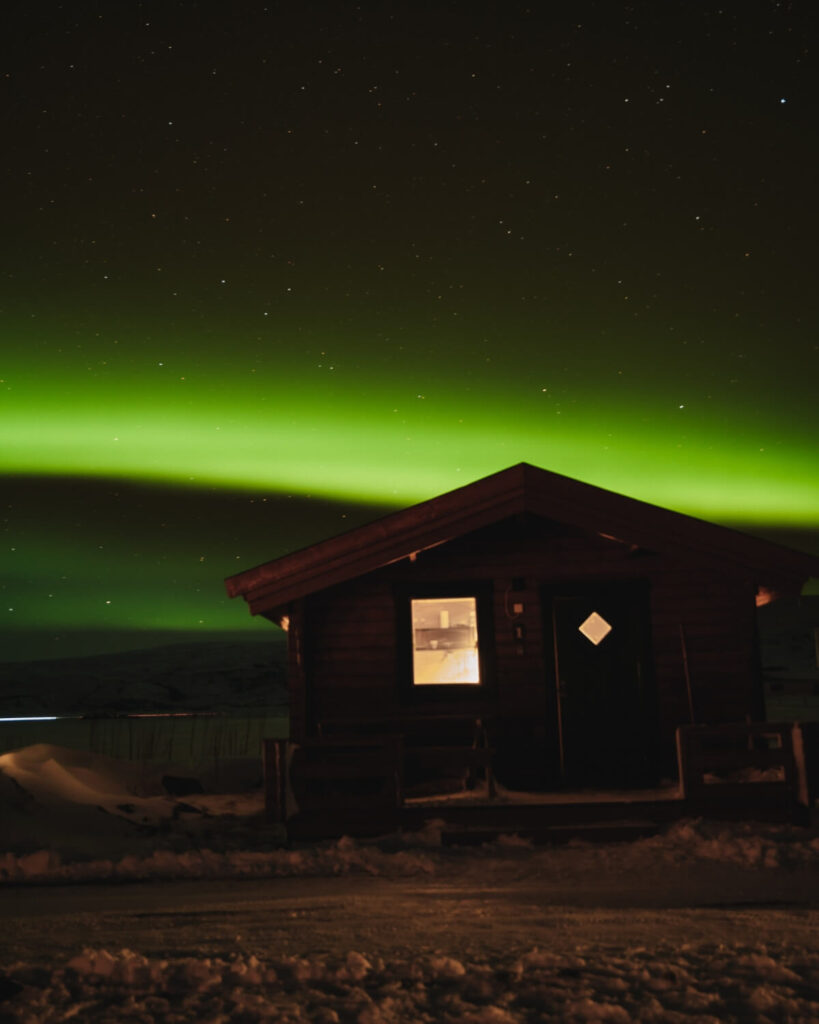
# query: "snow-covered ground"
705,984
511,951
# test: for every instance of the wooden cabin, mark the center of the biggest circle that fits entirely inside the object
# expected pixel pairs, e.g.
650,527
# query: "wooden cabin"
573,628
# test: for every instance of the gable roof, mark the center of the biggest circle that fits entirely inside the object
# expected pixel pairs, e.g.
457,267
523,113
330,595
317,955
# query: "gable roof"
519,489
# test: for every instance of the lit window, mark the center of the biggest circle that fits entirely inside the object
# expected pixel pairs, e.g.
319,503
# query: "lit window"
595,628
445,641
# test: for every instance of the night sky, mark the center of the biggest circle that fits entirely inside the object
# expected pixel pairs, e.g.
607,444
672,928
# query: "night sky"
270,270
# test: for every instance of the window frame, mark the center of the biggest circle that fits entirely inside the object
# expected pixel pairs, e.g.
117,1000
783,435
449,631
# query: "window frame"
457,693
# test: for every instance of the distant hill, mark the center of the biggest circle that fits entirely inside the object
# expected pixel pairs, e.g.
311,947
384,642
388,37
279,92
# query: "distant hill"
231,677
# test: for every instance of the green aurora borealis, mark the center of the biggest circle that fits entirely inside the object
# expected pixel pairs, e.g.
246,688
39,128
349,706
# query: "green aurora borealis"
345,440
285,272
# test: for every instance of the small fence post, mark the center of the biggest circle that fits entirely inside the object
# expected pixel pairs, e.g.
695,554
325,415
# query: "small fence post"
275,779
801,786
683,764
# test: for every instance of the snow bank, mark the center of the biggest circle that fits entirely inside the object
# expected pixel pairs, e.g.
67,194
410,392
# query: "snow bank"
684,845
51,773
89,806
746,844
705,982
70,816
342,858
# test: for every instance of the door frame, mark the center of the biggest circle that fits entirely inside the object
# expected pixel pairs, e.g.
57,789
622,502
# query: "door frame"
637,591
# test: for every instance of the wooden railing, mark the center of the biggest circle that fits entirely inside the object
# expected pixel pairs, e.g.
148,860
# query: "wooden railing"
760,763
333,775
365,763
441,744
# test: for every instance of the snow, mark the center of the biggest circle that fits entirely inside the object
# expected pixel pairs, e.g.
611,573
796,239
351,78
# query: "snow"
85,804
61,808
49,797
703,984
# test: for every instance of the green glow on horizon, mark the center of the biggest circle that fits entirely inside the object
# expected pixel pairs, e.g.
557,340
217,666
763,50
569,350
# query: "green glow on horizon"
380,436
323,406
337,448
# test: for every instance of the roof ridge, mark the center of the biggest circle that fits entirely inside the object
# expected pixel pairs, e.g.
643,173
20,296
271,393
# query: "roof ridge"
521,487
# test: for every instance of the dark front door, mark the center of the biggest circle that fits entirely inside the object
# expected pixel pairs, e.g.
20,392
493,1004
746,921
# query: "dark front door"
601,685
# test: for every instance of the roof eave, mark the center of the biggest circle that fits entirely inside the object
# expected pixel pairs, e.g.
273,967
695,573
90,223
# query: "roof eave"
520,488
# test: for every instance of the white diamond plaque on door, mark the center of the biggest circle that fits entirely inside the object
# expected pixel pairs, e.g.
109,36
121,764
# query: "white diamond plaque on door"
595,628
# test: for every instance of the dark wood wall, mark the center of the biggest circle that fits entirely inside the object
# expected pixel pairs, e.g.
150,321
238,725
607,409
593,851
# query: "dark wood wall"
347,668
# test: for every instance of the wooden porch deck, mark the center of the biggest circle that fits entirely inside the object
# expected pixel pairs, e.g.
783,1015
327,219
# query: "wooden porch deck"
542,818
353,787
548,817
